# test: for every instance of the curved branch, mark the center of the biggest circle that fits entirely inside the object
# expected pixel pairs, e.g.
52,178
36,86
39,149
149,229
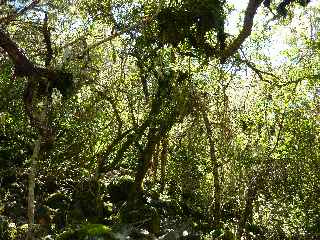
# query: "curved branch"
36,76
22,64
245,32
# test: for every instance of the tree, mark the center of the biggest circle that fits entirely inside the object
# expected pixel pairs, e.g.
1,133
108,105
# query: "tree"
163,92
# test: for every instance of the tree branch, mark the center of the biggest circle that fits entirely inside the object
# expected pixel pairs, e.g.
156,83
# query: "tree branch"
25,68
22,11
22,63
260,74
245,32
47,41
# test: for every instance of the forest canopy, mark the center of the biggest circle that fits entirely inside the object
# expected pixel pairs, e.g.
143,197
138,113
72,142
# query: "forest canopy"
159,119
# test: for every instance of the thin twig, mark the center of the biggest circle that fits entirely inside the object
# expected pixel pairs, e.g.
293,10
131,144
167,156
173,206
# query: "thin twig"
260,73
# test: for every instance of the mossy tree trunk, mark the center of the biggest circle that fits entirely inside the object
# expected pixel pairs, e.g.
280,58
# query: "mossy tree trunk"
145,156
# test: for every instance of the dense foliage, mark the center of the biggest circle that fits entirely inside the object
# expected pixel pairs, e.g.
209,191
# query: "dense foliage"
159,119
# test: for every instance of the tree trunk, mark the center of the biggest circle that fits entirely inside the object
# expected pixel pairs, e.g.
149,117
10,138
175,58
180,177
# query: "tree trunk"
251,196
44,137
32,172
217,195
155,163
163,163
215,166
145,157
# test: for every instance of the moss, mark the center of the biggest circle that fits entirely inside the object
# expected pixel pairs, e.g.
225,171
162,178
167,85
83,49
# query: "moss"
88,231
94,229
